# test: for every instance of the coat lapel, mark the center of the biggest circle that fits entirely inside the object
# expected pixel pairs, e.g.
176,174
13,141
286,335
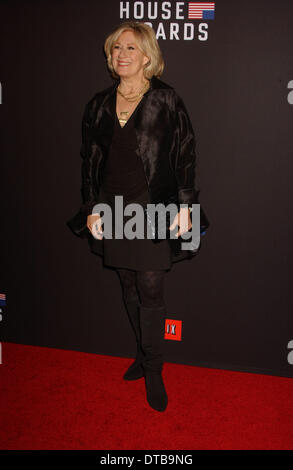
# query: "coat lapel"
109,105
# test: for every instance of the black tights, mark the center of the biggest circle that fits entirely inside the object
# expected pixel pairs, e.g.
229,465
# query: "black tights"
145,286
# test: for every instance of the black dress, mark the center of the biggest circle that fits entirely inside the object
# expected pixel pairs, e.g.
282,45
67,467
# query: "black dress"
123,174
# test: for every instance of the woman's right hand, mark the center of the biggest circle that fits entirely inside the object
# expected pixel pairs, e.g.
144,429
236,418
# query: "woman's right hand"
94,224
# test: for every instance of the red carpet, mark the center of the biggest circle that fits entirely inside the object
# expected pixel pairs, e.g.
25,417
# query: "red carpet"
56,399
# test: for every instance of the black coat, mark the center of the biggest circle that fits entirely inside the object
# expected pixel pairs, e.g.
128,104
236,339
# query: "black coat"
166,146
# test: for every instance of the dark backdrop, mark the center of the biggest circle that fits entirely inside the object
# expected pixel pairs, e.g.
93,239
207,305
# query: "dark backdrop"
235,298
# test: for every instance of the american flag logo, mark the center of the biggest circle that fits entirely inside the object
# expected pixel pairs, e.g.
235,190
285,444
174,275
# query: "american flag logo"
2,299
203,11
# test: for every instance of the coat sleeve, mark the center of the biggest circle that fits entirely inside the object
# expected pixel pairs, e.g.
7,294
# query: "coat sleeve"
185,165
87,152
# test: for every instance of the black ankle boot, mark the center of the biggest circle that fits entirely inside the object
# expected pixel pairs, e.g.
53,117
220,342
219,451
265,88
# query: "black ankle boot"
135,371
152,321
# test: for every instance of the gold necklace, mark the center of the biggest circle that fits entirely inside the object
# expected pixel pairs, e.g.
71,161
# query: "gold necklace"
123,118
124,114
136,97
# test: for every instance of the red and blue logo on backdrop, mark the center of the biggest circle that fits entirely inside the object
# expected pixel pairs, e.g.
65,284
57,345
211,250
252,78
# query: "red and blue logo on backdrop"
2,300
203,11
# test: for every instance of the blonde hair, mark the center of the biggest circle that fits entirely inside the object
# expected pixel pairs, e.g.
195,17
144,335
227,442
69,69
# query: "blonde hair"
146,42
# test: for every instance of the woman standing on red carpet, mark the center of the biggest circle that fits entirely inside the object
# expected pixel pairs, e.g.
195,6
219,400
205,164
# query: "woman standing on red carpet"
138,142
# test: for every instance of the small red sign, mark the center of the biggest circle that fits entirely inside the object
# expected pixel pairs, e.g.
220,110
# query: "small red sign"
173,329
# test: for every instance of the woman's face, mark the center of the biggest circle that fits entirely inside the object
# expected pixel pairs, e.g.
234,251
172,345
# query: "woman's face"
127,60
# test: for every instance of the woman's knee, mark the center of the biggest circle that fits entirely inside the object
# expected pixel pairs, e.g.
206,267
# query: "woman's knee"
150,286
128,283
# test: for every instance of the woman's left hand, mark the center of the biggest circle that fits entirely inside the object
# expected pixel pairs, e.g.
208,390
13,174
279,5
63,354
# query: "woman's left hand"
183,220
